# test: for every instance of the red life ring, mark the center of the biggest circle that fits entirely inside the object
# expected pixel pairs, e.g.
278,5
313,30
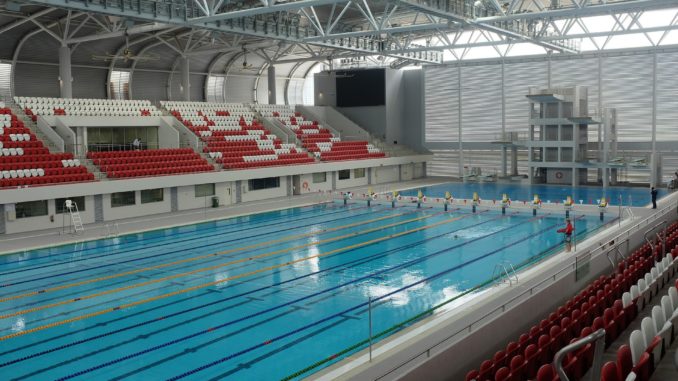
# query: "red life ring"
305,185
559,175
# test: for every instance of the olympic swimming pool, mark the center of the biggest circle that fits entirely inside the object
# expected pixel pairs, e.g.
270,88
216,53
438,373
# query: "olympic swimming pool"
270,296
547,193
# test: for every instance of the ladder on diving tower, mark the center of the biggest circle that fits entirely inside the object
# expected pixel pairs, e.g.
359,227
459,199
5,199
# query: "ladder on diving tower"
76,221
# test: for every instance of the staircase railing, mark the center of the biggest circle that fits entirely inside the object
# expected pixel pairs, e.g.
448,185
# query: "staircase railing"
597,338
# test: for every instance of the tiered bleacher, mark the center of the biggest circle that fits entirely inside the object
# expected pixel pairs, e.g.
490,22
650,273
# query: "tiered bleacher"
24,160
639,358
34,106
233,137
154,162
317,139
612,303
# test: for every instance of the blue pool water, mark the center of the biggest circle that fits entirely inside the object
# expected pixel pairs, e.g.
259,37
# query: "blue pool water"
494,191
262,297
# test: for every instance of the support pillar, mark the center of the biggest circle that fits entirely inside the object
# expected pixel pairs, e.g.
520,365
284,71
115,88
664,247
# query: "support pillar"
514,161
271,85
65,77
504,161
185,79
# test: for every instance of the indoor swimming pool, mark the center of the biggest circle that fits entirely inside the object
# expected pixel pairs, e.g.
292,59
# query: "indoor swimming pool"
271,296
634,196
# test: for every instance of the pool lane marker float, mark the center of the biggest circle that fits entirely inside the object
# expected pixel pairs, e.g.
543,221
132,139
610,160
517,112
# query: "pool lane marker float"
192,259
408,321
326,318
134,259
213,283
221,265
345,265
267,342
94,256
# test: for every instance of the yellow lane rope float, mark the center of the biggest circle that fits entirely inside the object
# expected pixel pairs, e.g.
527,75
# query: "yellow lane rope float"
228,279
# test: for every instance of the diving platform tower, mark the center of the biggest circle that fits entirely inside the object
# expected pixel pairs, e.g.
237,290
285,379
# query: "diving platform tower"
557,140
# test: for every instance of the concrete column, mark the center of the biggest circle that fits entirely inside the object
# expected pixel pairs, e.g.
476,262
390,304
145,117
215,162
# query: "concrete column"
81,141
65,77
185,79
369,176
334,180
271,85
504,159
514,161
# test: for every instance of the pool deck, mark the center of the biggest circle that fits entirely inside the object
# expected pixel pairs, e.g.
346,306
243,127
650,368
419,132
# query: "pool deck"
10,243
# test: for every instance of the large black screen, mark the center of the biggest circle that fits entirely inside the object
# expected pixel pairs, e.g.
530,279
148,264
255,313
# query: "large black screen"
358,88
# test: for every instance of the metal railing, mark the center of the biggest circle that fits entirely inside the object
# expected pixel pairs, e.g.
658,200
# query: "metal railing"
597,338
501,269
529,292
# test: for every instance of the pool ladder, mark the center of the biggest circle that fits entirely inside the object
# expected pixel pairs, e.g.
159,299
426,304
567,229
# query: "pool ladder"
504,268
112,230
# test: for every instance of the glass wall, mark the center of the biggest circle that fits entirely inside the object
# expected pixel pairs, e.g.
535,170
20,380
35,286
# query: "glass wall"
121,138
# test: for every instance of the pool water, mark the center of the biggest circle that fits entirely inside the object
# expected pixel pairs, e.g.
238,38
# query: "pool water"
547,193
278,295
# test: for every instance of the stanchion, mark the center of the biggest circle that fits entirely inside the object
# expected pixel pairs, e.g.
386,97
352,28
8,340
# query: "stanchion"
369,314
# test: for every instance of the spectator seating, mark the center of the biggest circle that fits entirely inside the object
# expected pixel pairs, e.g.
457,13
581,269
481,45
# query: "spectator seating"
34,106
610,302
168,161
317,139
658,331
233,137
24,160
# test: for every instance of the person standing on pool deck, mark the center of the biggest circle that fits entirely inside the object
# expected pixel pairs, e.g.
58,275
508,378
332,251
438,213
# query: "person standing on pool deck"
653,192
567,230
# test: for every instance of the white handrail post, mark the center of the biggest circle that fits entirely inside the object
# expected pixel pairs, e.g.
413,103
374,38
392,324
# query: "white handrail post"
369,315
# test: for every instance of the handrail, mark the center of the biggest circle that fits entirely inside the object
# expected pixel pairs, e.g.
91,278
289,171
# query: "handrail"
598,338
624,235
649,242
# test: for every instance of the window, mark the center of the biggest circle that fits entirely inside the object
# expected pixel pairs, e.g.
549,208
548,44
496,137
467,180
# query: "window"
152,195
79,201
344,174
269,182
215,88
358,173
123,199
31,209
119,84
319,177
204,190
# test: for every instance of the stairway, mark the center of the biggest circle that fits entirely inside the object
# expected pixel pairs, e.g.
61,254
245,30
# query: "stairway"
30,124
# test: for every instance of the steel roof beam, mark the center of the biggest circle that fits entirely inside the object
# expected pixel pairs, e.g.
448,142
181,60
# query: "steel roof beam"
586,10
290,6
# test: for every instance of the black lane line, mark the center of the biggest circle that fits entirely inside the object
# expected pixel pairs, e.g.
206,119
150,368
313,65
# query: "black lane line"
356,262
190,278
47,285
70,261
14,283
140,240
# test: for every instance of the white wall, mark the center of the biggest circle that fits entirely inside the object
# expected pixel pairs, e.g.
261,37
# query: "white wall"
315,187
137,210
418,170
387,174
407,172
248,195
51,220
352,182
187,200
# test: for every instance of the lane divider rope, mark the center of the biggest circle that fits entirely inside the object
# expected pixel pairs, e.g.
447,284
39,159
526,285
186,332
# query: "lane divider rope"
200,286
192,259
